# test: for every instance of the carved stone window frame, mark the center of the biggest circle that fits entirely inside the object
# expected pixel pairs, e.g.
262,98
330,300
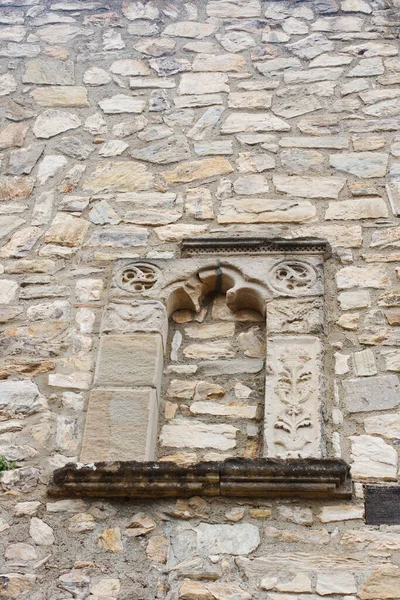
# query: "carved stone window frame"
118,453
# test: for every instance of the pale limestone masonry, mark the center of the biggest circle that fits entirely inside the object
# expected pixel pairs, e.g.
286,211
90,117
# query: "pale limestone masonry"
126,126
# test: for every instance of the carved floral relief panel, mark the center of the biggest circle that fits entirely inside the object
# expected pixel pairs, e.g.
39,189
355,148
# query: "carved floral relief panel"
293,397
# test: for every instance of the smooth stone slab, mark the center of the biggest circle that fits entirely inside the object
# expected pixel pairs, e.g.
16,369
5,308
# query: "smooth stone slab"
363,394
362,164
192,433
230,367
372,458
130,361
121,424
49,71
240,539
21,397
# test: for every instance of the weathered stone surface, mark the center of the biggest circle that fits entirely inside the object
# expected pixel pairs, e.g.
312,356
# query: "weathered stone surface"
61,96
383,582
22,161
372,393
195,170
372,276
96,76
73,147
145,363
365,164
311,46
265,210
386,425
238,122
336,583
8,84
49,71
121,425
184,433
52,122
41,533
227,539
173,149
341,512
66,230
119,237
121,103
21,242
110,540
309,187
367,67
127,176
357,208
314,537
372,458
195,590
203,82
219,62
13,585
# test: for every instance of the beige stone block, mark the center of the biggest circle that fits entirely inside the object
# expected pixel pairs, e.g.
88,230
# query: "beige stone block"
130,360
121,424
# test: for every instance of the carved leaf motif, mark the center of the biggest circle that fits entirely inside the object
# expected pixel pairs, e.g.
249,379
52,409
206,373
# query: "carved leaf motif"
294,388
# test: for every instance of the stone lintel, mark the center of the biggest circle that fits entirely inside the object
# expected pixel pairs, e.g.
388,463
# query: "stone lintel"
309,478
254,245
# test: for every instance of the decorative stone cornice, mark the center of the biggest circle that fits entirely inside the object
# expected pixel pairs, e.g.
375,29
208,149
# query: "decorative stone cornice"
229,246
265,477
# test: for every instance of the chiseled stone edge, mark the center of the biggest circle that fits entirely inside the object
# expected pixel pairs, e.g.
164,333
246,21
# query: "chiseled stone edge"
265,477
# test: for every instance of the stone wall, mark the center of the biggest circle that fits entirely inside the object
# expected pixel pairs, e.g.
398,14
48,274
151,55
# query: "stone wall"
126,126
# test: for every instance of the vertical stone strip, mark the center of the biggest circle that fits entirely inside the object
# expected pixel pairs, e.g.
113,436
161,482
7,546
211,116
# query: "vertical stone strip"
293,394
122,415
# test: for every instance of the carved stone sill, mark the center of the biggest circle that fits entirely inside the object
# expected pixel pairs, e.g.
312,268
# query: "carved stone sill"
266,477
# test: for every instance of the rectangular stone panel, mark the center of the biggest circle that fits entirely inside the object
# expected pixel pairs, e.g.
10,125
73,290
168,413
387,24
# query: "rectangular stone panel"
363,394
130,361
147,316
295,315
293,397
121,424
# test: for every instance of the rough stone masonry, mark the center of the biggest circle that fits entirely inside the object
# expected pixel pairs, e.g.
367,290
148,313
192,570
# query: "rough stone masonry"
126,126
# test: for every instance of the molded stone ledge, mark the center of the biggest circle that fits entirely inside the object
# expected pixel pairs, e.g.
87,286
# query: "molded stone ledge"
254,245
268,477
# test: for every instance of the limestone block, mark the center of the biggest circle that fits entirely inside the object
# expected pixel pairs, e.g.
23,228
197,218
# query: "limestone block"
130,361
121,424
341,512
372,276
336,583
363,394
372,458
185,433
293,390
295,315
238,539
386,425
147,316
383,583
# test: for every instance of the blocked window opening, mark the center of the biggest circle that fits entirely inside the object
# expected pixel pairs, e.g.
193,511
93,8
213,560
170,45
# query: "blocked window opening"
214,384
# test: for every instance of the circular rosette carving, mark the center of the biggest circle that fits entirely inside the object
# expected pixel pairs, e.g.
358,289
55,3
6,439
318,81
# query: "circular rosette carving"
137,277
292,277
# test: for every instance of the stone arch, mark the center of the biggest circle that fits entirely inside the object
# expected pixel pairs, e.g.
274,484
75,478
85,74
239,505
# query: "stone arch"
219,277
